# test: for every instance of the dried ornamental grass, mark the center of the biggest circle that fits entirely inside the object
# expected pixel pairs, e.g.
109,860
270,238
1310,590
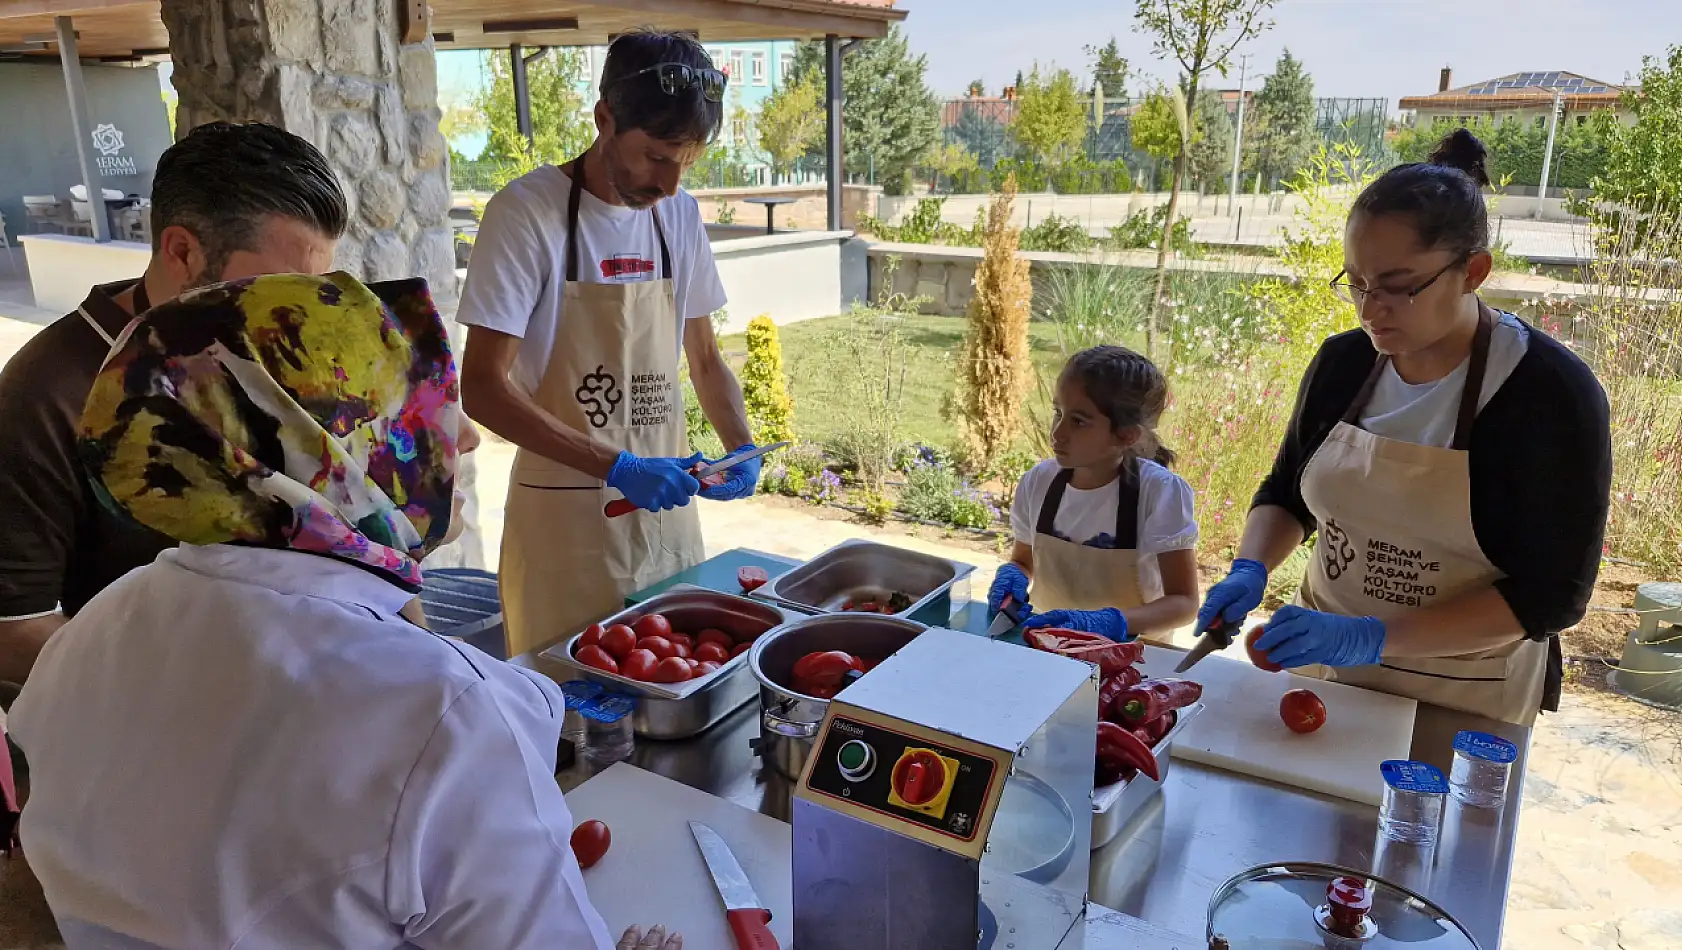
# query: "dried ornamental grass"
994,370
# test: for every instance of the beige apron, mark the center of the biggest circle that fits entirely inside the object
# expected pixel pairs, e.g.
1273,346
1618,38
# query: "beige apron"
1396,535
1070,576
613,374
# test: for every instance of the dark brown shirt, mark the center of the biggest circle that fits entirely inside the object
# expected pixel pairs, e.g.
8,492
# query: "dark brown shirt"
58,546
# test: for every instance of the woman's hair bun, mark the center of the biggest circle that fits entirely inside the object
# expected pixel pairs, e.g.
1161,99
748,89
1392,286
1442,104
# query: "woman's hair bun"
1461,149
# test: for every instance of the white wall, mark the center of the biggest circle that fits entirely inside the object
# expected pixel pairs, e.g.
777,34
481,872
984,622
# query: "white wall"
792,276
63,267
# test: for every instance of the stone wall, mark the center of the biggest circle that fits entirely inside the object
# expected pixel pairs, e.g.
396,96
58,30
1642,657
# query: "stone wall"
334,72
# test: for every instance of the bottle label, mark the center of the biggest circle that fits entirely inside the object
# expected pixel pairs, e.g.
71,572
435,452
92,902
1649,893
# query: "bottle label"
1419,777
579,692
1482,745
608,708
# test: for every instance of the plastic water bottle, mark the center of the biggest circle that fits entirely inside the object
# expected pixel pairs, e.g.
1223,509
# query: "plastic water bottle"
1412,811
608,733
1482,764
577,692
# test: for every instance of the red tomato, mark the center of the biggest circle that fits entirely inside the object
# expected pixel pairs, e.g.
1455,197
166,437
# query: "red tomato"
672,669
652,625
711,651
681,650
638,665
590,841
751,578
1302,711
823,669
740,649
682,639
694,666
592,636
1258,657
599,658
659,646
707,666
619,640
716,636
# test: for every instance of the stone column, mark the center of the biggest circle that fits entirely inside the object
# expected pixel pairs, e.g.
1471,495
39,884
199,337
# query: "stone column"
337,73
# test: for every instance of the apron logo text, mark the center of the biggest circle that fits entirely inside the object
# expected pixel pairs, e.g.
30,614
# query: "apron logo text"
1398,575
651,401
599,394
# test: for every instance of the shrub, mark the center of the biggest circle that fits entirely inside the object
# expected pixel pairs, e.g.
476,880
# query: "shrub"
1059,234
922,226
822,488
937,493
1143,229
876,506
993,369
765,395
862,369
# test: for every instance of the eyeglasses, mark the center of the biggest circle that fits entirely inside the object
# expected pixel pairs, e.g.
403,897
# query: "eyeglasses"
1395,299
676,78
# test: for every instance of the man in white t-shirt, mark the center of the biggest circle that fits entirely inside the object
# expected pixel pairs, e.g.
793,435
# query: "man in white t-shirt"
589,282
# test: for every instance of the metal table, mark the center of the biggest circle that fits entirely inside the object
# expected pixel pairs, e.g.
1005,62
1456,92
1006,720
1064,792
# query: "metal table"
770,202
1205,827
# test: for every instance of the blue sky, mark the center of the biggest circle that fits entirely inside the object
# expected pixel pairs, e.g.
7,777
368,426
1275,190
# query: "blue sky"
1356,48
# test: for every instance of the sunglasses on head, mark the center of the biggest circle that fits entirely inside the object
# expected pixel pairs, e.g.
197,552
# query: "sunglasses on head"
677,77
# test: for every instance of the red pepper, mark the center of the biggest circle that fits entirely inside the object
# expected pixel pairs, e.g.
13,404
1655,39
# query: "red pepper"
1114,686
1119,749
1154,699
1153,732
1111,657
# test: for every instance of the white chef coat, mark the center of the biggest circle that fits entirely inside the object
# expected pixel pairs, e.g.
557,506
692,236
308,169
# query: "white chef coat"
248,747
518,269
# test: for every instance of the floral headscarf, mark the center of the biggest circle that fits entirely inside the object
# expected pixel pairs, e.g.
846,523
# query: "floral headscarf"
310,413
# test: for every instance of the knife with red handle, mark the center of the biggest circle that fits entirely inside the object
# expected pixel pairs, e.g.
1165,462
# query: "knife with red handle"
747,914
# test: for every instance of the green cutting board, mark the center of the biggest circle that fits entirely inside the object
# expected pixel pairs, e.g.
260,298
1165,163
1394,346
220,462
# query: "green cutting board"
719,573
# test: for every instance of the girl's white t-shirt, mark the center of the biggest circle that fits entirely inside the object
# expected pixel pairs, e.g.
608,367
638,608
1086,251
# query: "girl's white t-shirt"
1167,519
515,277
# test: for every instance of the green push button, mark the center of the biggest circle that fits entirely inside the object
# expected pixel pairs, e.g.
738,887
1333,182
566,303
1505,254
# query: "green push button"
856,759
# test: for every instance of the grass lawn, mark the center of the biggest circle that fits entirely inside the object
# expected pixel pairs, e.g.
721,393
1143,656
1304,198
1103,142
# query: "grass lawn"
931,345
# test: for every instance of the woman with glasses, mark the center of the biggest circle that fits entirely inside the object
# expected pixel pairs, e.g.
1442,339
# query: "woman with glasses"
1451,463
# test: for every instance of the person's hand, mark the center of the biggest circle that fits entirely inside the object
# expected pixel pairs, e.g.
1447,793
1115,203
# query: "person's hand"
655,939
1108,622
739,481
1297,637
654,484
1233,599
1011,581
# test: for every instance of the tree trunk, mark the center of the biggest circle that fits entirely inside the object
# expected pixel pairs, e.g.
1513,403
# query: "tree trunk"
1159,301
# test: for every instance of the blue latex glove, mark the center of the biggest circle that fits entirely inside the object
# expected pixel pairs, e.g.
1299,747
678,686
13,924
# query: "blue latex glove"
1108,622
1011,581
1298,637
654,484
1233,599
739,482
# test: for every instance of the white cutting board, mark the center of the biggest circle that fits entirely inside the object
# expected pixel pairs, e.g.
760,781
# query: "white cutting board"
653,872
1240,729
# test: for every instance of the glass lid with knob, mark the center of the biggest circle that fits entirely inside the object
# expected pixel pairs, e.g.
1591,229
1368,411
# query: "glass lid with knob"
1306,906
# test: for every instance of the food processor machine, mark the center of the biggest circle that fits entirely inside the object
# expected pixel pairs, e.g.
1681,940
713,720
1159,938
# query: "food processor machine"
947,803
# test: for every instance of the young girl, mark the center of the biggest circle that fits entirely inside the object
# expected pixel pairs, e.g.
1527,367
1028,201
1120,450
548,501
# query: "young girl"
1104,530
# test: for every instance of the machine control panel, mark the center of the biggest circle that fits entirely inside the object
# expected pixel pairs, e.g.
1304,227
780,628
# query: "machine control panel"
903,777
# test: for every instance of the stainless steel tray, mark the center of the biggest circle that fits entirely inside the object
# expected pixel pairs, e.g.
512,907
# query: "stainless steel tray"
854,570
1114,805
680,710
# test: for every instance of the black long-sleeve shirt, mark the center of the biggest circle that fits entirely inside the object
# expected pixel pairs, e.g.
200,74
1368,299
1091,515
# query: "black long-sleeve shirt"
1541,471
